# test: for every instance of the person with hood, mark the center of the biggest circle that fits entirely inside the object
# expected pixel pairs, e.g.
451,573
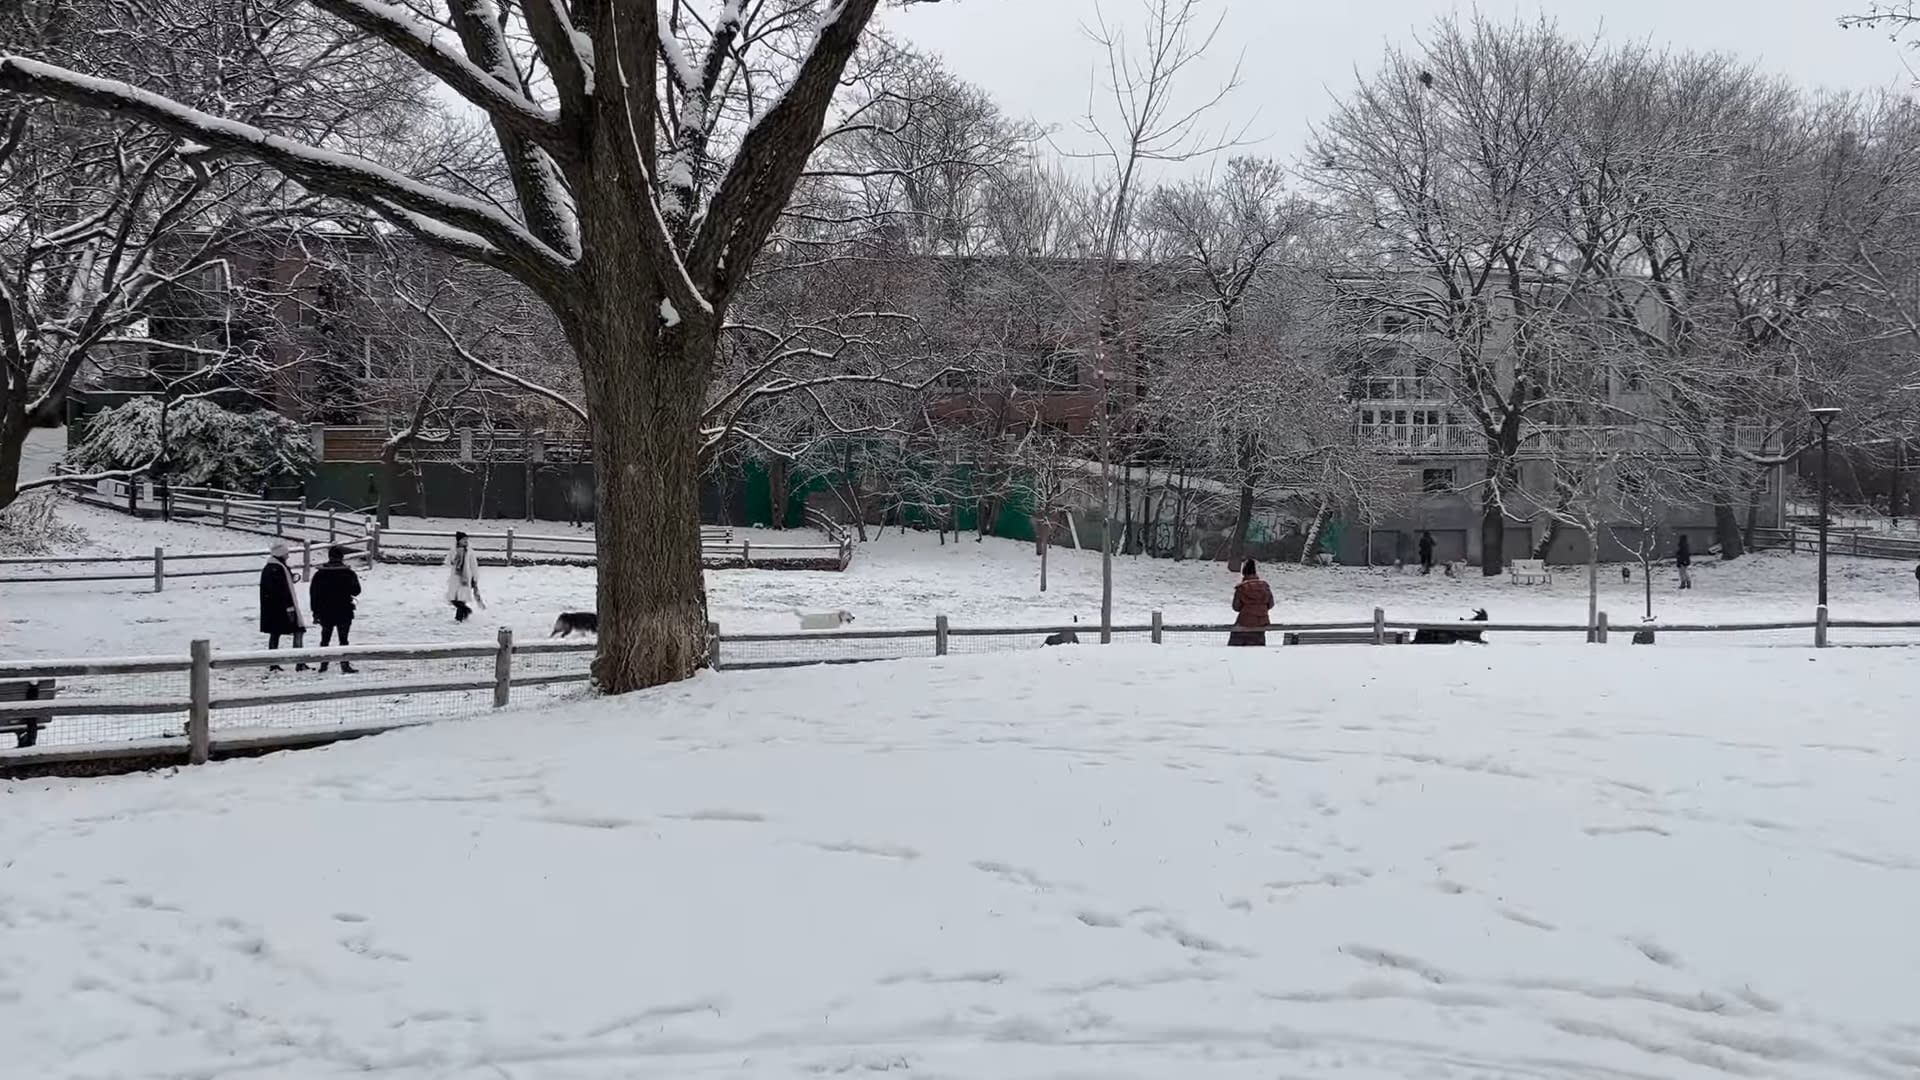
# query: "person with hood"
1683,561
1426,552
1253,601
463,578
330,597
279,602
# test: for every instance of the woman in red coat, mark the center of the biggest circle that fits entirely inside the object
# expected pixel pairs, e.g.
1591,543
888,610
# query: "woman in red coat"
1254,602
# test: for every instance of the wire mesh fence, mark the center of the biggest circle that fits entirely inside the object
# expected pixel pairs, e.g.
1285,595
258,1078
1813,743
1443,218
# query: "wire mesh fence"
750,651
54,705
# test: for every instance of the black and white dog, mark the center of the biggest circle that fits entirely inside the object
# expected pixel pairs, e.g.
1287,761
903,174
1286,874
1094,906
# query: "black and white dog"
1064,637
576,622
1437,636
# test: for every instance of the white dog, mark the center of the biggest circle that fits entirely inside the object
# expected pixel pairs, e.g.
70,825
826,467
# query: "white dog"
825,620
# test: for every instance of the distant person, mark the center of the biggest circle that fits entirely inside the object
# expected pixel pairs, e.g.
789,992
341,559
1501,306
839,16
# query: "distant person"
1683,561
580,503
279,603
330,597
1253,601
1426,553
463,578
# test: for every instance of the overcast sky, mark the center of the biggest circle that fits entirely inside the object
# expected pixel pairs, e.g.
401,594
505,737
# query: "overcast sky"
1033,56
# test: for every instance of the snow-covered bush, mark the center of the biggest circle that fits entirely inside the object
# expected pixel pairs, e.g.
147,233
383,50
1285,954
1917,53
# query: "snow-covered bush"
205,445
30,525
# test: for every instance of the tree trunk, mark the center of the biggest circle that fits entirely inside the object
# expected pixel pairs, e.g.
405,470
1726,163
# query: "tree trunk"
389,477
1501,465
1242,522
777,492
13,443
645,388
1726,526
1493,533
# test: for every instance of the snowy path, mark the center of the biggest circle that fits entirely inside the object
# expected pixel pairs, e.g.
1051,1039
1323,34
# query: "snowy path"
1124,863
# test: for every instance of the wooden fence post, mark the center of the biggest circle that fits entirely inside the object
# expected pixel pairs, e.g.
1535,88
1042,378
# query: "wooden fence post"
1379,626
503,669
226,512
199,701
1157,625
509,545
278,529
746,553
1600,629
159,569
332,536
713,645
1820,627
939,635
306,560
373,545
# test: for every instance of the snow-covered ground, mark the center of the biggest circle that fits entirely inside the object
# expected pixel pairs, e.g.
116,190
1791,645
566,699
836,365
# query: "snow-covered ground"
1118,863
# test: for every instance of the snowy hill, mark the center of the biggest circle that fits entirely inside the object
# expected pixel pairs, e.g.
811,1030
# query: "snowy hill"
1125,863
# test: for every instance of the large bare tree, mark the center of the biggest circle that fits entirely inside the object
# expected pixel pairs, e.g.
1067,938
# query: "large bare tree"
102,217
651,148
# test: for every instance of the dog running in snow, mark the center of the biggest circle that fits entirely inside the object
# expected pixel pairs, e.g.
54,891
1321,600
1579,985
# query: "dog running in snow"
1437,636
1064,637
576,622
823,620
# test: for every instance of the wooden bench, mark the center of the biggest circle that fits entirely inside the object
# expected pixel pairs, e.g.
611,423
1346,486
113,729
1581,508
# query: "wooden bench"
1341,637
711,534
1529,572
25,728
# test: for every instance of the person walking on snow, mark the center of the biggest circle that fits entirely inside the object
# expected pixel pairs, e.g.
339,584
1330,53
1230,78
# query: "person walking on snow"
1426,552
463,578
279,603
330,597
1683,561
1253,601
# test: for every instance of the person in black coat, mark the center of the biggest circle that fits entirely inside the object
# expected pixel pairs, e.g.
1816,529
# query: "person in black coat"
1683,561
331,597
1426,552
279,605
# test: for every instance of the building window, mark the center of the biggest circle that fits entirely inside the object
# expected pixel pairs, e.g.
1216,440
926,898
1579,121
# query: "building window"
1436,481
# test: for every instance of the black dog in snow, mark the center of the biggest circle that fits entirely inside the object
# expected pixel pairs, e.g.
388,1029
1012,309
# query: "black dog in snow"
576,622
1437,636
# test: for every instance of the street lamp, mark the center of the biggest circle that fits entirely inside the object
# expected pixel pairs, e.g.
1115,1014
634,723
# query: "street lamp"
1824,415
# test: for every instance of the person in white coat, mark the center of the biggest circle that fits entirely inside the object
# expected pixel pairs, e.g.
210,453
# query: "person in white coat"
463,578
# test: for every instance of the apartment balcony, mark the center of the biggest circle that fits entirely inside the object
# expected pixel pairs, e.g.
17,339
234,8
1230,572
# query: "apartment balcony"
1380,389
1418,432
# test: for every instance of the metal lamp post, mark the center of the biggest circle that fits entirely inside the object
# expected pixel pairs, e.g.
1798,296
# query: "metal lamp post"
1824,415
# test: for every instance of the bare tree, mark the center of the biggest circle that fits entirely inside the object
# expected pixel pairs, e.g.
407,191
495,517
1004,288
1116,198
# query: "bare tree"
1434,166
103,219
650,149
1135,122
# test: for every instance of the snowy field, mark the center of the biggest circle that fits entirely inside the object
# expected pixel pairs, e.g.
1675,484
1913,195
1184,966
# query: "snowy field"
895,581
1114,863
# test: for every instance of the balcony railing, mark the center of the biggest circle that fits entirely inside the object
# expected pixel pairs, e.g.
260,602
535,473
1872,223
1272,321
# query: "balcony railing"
1455,438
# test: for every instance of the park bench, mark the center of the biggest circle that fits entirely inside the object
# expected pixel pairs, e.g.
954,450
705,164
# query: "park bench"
1529,572
1341,637
25,728
716,534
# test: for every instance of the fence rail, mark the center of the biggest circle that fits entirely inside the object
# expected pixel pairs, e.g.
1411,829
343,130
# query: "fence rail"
183,714
1856,542
187,711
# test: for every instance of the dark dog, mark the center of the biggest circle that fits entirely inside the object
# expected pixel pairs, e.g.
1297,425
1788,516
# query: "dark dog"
1626,573
1436,636
576,622
1064,637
